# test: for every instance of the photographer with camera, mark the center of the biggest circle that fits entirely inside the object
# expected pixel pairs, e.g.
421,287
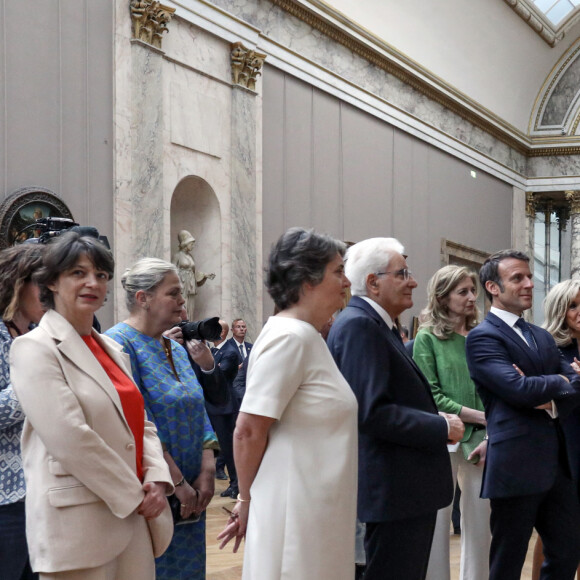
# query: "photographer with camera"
174,402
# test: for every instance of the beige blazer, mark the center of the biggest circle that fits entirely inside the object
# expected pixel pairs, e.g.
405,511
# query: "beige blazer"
78,451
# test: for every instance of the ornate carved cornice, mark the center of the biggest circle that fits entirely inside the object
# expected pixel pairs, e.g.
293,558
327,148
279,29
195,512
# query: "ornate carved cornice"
573,198
524,12
246,65
378,59
553,151
149,20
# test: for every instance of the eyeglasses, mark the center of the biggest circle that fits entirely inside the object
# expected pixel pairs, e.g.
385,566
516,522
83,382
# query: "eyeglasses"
403,273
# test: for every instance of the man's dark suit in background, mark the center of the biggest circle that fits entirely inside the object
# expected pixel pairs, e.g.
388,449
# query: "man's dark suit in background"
527,476
223,417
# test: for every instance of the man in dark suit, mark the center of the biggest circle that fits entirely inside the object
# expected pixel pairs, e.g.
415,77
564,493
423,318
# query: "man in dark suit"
223,417
404,468
526,473
238,340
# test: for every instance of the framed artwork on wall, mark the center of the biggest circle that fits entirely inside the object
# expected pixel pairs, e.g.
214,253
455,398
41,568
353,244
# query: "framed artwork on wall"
20,210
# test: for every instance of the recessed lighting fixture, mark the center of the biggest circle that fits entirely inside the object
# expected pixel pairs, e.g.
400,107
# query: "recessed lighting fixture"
474,174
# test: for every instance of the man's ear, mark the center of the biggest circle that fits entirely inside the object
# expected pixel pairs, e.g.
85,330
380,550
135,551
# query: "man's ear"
372,284
492,287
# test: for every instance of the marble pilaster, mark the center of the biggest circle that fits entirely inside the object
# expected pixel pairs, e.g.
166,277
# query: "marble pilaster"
246,65
574,198
243,207
146,151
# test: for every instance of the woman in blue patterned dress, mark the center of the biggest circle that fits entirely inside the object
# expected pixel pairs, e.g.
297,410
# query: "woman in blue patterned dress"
20,308
174,402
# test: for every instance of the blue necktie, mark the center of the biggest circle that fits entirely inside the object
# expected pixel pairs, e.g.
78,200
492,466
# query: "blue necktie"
241,347
525,328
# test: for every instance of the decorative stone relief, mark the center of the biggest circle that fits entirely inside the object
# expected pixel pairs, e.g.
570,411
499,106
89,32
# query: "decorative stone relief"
150,19
530,205
246,65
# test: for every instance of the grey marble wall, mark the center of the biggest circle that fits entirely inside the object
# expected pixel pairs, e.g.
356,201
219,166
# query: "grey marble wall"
555,166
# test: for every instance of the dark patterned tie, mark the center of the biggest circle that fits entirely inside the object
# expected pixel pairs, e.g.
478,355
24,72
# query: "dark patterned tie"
525,328
397,333
242,353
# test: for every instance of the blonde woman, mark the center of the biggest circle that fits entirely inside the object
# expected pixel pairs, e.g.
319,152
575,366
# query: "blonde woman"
439,351
562,321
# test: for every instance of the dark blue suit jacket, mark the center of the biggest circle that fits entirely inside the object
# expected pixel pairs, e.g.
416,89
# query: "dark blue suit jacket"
404,468
234,345
227,360
522,455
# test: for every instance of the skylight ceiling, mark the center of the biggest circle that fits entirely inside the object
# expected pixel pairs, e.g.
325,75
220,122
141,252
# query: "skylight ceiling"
556,11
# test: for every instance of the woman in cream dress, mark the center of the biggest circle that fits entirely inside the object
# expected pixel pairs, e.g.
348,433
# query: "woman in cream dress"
296,437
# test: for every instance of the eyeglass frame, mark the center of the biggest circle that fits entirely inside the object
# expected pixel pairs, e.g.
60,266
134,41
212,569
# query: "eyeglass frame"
404,272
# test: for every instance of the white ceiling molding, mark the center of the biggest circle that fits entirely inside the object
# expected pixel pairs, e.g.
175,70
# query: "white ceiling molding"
540,23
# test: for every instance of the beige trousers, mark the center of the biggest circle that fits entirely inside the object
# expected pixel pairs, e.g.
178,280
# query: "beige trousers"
135,562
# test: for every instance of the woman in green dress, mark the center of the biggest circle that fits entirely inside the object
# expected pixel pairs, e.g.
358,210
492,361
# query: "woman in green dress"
439,350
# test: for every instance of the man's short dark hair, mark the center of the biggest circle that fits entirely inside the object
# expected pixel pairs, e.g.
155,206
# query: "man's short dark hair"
489,272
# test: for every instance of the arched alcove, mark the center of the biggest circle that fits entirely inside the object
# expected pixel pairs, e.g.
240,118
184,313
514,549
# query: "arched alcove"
194,207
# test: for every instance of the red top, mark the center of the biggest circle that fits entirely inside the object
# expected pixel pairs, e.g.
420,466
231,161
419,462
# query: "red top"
131,399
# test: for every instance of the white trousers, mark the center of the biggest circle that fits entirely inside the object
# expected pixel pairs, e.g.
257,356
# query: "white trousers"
475,531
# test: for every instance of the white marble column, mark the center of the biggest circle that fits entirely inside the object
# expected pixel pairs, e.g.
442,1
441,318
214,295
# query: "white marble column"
574,199
246,65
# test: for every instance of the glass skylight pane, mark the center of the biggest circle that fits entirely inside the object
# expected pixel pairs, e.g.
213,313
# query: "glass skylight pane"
559,11
544,5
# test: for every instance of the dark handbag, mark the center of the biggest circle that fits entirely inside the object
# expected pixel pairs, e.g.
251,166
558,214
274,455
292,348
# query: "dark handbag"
175,505
477,436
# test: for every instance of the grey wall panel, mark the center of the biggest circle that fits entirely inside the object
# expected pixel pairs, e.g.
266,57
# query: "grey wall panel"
366,161
32,106
366,178
100,188
326,176
298,156
56,104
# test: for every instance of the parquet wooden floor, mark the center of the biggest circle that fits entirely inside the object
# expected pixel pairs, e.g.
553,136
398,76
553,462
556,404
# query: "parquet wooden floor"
224,565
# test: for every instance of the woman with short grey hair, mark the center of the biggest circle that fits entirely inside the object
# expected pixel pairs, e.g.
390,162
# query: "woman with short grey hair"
295,442
174,402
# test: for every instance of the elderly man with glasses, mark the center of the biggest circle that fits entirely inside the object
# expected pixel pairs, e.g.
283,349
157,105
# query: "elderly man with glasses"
404,469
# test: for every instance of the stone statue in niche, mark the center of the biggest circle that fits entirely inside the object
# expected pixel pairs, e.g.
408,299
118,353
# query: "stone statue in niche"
191,279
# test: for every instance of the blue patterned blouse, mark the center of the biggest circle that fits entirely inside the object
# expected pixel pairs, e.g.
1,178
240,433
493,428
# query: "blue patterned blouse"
174,402
12,487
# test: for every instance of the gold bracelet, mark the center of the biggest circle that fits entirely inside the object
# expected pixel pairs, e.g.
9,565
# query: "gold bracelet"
244,500
180,483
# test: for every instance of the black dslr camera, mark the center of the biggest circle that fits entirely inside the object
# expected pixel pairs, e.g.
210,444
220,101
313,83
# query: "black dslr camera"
206,329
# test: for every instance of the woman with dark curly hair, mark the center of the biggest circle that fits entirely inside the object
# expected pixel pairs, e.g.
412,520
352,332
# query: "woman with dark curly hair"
20,309
296,436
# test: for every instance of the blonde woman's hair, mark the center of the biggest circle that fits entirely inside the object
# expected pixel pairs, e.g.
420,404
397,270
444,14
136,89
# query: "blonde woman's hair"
556,305
435,316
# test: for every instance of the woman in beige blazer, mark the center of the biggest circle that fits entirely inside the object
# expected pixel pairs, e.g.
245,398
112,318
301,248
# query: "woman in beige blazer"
94,468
